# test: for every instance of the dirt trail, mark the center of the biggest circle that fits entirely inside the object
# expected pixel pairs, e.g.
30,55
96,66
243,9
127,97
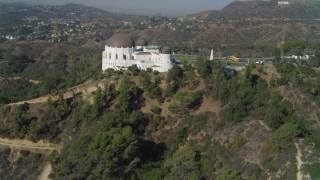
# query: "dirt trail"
17,78
299,162
301,154
264,125
83,89
45,173
40,147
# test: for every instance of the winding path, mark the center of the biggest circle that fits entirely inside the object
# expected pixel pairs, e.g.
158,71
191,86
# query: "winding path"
83,89
38,147
301,175
43,147
17,78
299,162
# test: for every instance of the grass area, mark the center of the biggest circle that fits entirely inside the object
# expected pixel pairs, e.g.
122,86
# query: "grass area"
194,58
183,57
313,170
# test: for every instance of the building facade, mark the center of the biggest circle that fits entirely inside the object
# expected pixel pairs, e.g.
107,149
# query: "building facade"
121,52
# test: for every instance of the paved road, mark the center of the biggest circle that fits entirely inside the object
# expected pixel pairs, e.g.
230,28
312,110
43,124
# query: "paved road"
254,60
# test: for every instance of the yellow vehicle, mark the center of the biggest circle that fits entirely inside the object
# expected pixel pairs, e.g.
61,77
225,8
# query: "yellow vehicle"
235,59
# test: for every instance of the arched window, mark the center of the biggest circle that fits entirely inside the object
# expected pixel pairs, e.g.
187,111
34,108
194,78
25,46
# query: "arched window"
116,56
109,55
124,57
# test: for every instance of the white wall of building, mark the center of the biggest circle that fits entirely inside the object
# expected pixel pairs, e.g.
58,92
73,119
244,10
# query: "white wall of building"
122,58
283,2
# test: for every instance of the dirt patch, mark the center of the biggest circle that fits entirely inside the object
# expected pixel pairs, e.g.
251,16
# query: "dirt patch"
149,104
209,105
255,134
267,73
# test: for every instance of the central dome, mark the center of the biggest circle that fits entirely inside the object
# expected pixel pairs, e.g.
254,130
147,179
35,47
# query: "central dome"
165,50
121,40
142,42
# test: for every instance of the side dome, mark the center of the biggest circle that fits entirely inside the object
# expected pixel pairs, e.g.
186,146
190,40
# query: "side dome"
142,42
165,50
121,40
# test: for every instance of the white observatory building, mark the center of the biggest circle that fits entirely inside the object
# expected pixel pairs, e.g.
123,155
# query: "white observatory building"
121,52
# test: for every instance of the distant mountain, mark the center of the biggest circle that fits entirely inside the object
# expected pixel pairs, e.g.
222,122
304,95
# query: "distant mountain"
13,13
263,10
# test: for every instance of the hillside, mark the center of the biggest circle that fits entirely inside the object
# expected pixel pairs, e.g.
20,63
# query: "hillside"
248,131
14,13
239,29
264,10
255,28
62,118
42,66
241,38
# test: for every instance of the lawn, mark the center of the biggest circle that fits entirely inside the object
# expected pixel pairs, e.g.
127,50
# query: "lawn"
183,57
194,58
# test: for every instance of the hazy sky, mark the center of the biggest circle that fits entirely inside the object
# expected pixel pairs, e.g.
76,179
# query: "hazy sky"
145,7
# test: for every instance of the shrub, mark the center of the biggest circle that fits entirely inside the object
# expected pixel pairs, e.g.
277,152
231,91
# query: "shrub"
313,170
156,110
183,101
238,142
134,70
183,163
180,135
229,174
316,140
283,137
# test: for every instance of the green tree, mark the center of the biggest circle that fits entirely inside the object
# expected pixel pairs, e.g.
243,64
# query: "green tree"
241,98
295,47
175,74
219,85
184,101
129,97
33,130
107,154
204,67
183,163
98,103
283,137
316,140
138,121
277,54
20,122
134,70
315,60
